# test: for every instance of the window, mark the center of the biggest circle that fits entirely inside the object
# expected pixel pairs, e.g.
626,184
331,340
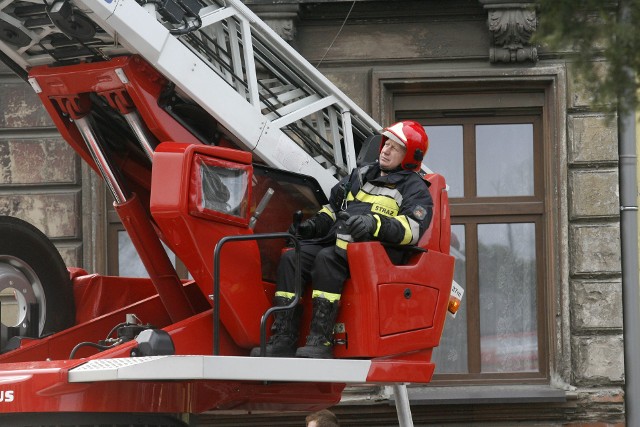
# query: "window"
493,165
122,257
219,190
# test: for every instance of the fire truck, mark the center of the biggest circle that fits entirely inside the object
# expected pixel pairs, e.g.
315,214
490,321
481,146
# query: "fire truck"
212,135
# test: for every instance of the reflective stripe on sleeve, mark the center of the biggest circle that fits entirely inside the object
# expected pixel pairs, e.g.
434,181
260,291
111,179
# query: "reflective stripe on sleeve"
329,211
378,225
342,240
411,230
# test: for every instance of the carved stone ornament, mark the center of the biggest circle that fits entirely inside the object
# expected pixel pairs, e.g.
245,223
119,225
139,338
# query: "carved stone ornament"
512,24
282,18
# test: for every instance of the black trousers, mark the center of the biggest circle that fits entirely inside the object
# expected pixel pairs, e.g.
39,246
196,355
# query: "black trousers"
325,266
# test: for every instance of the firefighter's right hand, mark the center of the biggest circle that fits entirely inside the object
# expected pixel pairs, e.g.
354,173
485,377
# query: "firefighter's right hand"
306,229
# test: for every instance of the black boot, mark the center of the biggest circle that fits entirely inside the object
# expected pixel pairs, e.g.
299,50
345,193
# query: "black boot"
320,339
284,331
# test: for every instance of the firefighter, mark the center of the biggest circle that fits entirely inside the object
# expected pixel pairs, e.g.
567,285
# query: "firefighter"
386,200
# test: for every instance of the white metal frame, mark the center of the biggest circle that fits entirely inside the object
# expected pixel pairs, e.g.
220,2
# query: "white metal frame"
168,368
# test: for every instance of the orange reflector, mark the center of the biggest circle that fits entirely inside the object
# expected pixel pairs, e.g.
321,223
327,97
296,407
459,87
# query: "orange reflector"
454,305
455,298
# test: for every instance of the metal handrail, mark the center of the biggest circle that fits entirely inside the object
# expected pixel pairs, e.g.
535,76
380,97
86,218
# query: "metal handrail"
265,316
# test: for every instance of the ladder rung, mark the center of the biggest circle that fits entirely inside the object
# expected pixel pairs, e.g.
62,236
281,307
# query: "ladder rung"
283,98
212,14
302,108
294,106
277,90
267,82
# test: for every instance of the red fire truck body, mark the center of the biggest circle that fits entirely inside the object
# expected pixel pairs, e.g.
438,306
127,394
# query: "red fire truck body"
95,344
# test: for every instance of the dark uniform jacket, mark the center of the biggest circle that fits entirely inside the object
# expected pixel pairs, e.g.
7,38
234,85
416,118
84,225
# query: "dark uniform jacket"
400,202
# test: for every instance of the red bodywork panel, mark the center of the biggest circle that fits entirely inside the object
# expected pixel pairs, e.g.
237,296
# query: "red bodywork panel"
391,314
43,389
192,236
42,386
62,85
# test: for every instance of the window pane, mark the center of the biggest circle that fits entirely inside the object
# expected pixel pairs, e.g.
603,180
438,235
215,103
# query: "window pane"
129,263
507,282
451,356
504,160
445,156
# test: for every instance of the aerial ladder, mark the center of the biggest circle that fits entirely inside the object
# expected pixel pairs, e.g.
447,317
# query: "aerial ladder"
209,131
225,59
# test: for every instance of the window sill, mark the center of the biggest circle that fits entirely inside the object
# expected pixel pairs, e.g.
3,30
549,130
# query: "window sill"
487,395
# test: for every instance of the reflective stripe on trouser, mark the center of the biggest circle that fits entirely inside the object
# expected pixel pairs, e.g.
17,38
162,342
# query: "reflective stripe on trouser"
326,295
325,266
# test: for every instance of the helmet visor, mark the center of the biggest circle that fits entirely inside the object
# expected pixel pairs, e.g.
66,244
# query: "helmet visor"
392,136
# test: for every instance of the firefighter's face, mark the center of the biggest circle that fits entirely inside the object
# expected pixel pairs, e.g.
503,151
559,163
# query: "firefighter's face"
391,155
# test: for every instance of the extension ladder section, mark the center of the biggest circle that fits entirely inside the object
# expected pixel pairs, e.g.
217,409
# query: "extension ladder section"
269,99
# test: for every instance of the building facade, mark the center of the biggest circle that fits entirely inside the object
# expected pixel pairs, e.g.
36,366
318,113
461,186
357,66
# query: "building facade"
532,167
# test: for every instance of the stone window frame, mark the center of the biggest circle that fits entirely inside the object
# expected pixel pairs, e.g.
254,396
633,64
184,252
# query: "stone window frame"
388,84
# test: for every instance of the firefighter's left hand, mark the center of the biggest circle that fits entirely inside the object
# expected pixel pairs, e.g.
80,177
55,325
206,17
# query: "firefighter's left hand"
361,227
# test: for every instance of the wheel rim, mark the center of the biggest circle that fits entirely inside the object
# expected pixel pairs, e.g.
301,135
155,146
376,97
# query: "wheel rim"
21,287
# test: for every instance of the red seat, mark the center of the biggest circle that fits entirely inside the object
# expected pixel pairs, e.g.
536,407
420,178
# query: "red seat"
438,235
391,309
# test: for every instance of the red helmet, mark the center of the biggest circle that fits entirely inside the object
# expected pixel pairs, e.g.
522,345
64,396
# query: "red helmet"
413,137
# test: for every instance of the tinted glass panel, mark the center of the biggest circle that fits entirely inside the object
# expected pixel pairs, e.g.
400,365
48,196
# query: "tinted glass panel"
445,156
504,160
224,189
507,282
129,263
451,356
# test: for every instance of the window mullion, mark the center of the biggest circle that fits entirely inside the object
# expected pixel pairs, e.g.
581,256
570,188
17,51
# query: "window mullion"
473,299
469,161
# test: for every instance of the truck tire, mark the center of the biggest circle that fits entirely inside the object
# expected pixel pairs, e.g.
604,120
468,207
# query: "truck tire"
36,282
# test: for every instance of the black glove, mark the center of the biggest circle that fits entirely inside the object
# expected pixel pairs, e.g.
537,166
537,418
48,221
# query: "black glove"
361,227
306,229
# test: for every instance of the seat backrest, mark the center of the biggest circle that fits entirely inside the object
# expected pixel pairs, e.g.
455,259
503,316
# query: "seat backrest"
438,235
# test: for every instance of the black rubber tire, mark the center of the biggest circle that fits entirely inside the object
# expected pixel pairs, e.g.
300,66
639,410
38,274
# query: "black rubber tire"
32,266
